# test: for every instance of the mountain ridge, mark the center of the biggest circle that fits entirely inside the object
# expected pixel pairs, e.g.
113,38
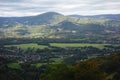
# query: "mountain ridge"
109,16
55,25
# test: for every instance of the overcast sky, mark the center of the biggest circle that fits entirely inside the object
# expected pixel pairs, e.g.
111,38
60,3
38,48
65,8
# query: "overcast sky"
66,7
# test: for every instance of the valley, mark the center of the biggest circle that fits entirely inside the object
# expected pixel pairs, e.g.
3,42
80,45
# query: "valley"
52,37
52,44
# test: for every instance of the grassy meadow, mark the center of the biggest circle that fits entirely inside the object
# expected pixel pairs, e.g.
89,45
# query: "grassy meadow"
30,45
14,65
61,45
64,45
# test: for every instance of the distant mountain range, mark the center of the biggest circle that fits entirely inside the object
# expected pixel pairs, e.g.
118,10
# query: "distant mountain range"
55,25
104,16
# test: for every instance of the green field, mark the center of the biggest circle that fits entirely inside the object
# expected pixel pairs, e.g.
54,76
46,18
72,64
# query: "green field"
30,45
14,65
56,60
64,45
37,64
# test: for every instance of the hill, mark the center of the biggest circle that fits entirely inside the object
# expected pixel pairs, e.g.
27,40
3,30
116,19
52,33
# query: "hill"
55,25
104,16
45,18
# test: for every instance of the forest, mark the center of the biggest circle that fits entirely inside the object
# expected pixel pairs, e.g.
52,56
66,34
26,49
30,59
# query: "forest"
99,68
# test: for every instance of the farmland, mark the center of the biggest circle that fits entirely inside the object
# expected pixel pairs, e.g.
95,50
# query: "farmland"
14,65
56,52
30,45
61,45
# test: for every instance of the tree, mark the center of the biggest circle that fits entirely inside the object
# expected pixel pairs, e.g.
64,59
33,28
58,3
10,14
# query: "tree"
88,70
58,72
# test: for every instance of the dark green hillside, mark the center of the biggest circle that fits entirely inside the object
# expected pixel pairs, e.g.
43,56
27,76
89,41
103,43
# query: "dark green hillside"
100,68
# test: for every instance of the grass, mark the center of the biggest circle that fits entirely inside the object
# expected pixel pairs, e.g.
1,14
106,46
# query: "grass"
31,45
64,45
56,60
110,77
14,65
38,64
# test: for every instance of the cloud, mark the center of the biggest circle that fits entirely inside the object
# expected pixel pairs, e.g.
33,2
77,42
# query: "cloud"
11,1
81,7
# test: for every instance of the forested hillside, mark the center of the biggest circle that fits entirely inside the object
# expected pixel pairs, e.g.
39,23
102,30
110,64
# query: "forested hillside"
100,68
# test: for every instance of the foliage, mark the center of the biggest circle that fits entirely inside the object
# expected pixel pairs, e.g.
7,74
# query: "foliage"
88,71
93,69
58,72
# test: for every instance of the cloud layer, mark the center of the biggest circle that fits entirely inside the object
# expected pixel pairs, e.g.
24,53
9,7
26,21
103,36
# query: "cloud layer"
81,7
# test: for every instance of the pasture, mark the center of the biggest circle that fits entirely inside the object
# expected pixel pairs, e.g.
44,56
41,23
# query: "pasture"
30,45
64,45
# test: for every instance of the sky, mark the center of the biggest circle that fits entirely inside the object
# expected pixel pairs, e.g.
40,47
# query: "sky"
10,8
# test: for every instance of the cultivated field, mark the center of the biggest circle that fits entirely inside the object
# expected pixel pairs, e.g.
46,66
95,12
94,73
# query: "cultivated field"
30,45
63,45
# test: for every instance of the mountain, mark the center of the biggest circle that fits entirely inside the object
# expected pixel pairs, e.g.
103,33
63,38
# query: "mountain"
53,18
48,18
104,16
55,25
